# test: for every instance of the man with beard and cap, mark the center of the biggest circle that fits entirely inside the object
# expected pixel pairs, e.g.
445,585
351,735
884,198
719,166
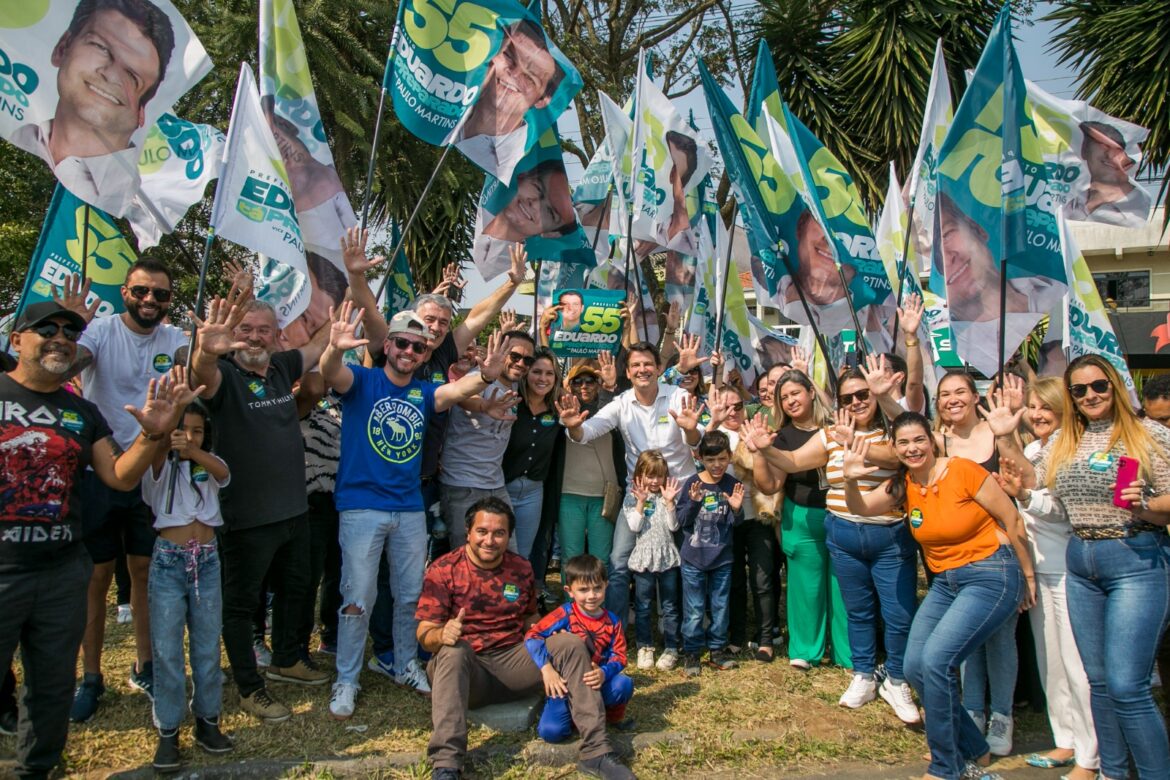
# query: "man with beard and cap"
116,357
50,438
249,391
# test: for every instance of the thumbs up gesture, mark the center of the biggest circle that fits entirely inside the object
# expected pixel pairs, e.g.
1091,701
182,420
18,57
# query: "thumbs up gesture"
453,629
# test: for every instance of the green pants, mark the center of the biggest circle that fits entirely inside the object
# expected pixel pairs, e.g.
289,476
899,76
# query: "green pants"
815,609
580,522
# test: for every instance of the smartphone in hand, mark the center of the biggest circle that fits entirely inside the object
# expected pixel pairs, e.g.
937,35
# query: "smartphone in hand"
1127,472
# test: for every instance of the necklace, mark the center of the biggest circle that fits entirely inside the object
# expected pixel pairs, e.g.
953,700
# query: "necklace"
932,484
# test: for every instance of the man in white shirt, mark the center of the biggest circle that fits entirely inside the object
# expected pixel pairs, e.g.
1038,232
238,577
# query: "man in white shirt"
650,416
116,357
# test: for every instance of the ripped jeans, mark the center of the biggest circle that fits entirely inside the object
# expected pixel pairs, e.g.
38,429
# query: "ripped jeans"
364,535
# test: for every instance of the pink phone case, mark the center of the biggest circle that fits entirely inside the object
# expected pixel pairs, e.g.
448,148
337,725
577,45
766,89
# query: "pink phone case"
1127,472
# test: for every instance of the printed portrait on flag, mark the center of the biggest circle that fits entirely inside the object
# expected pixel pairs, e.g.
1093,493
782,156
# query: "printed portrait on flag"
1112,195
85,81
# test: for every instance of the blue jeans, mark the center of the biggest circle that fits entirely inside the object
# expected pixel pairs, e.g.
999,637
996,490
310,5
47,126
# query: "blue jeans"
617,593
702,591
876,566
963,607
1118,600
364,534
527,499
556,722
666,583
993,665
183,591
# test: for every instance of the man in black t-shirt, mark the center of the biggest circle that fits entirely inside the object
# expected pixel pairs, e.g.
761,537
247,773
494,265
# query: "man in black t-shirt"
48,437
265,508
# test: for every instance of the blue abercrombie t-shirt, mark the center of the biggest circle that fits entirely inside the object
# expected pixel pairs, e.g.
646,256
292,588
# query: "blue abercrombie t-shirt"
382,431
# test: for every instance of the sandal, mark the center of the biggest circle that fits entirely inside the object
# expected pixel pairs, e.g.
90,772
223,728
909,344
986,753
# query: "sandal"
1041,761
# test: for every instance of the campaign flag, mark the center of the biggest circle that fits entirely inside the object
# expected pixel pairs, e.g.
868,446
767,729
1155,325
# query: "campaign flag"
536,209
399,291
558,276
179,159
773,347
253,201
290,106
68,244
671,161
1092,160
87,123
1088,330
994,207
713,286
936,121
589,322
612,276
891,238
480,75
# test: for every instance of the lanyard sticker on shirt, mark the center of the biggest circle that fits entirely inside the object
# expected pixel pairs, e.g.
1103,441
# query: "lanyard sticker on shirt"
710,502
511,591
1101,461
916,517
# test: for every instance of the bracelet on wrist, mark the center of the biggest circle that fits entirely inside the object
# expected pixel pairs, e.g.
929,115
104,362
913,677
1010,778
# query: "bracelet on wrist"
153,436
911,343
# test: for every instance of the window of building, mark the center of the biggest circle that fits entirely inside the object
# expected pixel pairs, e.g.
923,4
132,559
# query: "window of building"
1126,288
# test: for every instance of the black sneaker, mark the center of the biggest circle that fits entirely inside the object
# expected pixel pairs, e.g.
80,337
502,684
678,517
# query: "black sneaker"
142,679
85,700
210,738
606,766
8,721
445,773
166,756
722,660
692,666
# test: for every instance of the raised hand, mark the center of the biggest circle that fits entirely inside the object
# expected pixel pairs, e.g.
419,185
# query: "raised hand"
508,321
1013,391
670,490
608,369
216,334
73,297
673,318
639,489
688,353
1000,417
569,410
499,406
855,466
492,362
718,407
453,629
754,433
688,415
844,426
1010,477
696,491
452,283
343,331
353,251
878,376
547,316
735,500
519,258
166,398
184,393
800,360
910,314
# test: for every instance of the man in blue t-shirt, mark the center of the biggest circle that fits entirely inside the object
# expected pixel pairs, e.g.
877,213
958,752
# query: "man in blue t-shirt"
378,491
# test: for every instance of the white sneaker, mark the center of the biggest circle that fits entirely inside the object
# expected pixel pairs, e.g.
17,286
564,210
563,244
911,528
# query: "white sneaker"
901,699
262,653
860,691
645,657
999,734
413,678
668,660
799,663
125,613
980,721
342,701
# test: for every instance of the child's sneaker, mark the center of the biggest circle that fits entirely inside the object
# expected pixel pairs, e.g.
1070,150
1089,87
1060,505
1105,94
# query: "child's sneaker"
692,667
125,613
645,657
722,660
668,660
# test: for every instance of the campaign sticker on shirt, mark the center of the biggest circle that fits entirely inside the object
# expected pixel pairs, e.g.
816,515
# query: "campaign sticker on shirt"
71,421
1101,461
648,507
547,420
199,474
664,419
438,378
710,502
163,363
511,591
414,395
915,517
257,388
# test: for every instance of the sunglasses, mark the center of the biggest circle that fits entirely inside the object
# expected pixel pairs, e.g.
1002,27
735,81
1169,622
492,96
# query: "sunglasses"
516,357
48,330
845,399
140,292
417,347
1098,386
736,407
577,381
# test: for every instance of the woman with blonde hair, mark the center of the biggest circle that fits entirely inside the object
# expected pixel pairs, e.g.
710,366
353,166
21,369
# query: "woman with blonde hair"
1118,580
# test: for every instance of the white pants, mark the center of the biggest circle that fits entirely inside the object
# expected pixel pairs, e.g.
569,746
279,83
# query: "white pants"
1065,684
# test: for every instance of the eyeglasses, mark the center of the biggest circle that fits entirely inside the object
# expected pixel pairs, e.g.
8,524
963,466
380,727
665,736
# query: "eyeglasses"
140,292
417,347
737,407
1098,386
517,357
845,399
48,330
588,379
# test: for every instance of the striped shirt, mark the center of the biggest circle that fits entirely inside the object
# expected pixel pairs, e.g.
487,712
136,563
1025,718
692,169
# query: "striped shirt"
321,430
835,474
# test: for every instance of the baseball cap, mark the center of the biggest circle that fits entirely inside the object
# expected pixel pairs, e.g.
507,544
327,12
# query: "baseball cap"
36,313
409,322
583,367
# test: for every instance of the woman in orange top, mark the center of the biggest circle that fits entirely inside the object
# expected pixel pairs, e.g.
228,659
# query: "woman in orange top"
974,543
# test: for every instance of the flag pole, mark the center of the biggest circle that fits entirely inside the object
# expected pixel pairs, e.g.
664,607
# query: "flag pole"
377,138
85,245
903,266
722,310
629,256
413,215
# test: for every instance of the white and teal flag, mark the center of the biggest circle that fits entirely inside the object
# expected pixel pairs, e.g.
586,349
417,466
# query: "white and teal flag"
936,121
254,203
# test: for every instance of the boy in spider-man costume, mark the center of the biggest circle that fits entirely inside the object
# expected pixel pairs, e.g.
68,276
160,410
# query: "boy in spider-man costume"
585,617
